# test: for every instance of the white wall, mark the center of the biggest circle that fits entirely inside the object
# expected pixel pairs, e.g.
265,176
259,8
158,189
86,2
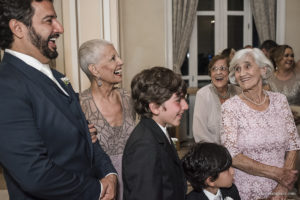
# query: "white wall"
82,21
142,35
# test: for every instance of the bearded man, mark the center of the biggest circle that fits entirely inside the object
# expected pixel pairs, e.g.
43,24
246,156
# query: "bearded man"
46,150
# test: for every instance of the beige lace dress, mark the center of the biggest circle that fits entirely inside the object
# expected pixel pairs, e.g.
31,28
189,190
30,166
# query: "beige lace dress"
111,139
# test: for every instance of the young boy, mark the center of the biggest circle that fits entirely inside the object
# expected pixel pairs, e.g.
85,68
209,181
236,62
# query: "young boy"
151,167
207,167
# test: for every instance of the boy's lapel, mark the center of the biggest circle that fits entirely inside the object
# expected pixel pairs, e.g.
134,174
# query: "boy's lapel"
163,140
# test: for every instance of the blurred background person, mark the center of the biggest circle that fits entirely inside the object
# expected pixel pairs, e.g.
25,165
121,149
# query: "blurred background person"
229,53
106,106
267,46
258,130
285,79
207,110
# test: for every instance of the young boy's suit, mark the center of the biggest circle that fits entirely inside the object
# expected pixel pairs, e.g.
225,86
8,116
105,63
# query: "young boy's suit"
151,167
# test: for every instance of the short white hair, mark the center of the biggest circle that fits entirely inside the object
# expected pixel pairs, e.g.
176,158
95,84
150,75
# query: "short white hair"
90,52
259,58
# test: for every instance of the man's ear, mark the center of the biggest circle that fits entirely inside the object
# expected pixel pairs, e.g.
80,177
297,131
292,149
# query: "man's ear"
154,108
209,182
17,28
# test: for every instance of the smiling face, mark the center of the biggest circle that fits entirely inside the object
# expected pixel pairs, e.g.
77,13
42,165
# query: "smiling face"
248,73
287,62
171,111
43,32
110,65
219,74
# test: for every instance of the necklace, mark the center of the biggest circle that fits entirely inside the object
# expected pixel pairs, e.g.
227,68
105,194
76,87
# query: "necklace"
222,96
251,101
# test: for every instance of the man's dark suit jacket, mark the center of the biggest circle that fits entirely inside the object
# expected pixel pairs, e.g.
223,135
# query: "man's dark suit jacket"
231,192
151,167
45,150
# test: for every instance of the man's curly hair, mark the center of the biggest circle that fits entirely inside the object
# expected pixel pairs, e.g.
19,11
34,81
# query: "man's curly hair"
155,85
20,10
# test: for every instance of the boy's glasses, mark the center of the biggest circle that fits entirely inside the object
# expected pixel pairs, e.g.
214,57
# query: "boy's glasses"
221,68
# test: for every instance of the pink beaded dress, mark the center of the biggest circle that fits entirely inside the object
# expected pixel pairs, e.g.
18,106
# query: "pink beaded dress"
264,136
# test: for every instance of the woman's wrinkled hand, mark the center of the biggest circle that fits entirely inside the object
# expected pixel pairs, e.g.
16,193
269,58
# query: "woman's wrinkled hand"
287,177
279,193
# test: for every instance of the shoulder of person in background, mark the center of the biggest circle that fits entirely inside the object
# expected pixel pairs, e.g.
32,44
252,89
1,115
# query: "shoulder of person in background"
297,66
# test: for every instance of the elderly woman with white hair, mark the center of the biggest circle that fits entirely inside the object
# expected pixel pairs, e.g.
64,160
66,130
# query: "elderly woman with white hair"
259,131
106,106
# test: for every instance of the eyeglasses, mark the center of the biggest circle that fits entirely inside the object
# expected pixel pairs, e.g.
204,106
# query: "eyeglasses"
221,68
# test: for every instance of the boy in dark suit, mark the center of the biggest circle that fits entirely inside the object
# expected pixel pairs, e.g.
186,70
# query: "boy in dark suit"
207,167
151,167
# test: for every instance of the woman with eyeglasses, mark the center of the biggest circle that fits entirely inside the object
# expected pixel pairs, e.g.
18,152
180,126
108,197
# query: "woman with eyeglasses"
207,111
259,131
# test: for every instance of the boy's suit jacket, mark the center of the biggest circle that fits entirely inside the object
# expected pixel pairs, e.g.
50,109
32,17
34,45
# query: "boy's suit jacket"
45,150
151,167
231,192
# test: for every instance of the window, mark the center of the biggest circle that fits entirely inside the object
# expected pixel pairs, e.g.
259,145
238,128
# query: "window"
219,24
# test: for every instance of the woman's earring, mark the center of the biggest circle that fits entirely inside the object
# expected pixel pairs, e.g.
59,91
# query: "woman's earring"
99,82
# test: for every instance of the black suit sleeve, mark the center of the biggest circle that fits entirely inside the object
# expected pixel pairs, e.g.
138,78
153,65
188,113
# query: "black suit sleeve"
24,155
102,162
142,172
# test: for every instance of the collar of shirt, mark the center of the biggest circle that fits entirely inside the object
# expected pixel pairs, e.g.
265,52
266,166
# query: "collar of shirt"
164,129
44,68
212,196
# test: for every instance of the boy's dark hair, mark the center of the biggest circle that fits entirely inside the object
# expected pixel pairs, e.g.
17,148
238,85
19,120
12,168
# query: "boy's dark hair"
20,10
155,85
205,160
268,45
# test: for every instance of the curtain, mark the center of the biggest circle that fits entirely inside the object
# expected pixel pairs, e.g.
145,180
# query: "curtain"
183,18
264,17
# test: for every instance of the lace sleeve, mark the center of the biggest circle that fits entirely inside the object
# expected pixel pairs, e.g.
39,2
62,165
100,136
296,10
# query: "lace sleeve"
294,141
229,129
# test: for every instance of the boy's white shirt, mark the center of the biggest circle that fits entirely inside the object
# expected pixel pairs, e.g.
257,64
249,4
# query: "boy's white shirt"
212,196
164,129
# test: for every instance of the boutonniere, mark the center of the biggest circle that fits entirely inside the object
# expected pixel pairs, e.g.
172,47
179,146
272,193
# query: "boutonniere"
65,80
228,198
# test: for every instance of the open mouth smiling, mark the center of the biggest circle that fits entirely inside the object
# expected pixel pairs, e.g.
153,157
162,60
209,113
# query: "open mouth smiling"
219,78
118,72
51,41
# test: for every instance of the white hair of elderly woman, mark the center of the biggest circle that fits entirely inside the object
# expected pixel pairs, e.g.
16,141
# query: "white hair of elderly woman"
90,52
259,58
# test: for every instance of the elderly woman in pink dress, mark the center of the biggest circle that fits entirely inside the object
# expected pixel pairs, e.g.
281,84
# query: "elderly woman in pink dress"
259,131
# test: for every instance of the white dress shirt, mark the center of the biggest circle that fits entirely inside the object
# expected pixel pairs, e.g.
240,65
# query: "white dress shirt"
212,196
44,68
164,129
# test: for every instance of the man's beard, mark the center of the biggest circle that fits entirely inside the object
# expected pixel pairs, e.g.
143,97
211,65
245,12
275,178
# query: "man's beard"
42,44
